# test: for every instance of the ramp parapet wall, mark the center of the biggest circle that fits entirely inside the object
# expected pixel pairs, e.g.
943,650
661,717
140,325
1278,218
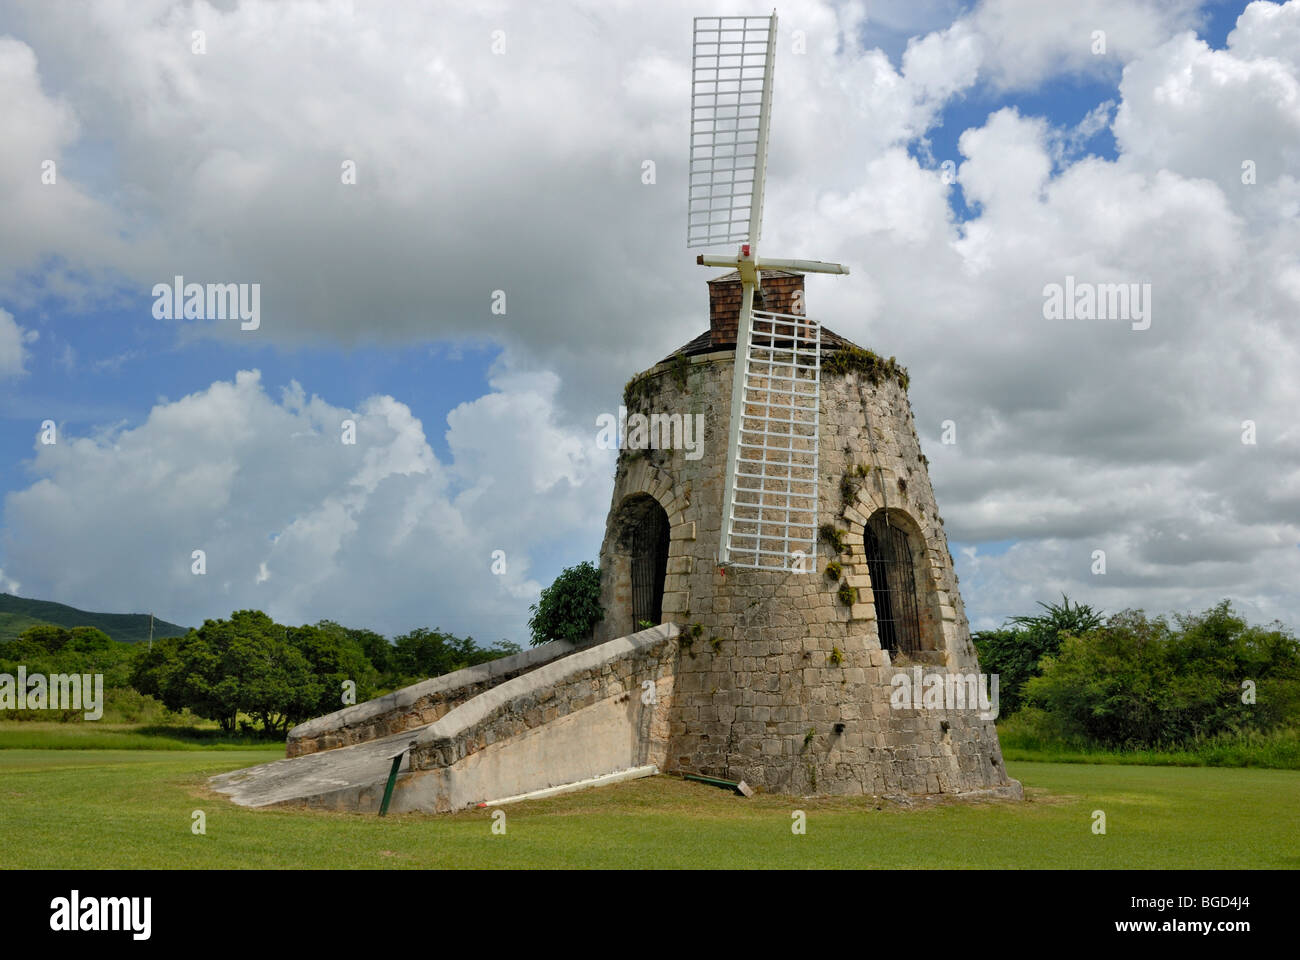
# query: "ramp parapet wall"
417,705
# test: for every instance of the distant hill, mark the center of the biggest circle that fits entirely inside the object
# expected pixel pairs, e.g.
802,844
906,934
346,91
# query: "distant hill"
19,613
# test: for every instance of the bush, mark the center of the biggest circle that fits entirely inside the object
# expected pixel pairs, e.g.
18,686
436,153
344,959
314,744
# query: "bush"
569,608
1014,652
1139,682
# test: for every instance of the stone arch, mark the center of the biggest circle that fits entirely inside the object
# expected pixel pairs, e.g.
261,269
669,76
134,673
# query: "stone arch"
894,567
641,486
641,542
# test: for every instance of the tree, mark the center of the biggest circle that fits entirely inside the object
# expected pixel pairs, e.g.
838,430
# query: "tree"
50,636
430,653
226,667
1014,652
374,646
1143,682
89,640
333,656
569,608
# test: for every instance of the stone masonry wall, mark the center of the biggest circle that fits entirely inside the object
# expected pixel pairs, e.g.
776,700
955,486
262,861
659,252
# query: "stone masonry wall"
611,671
778,682
415,706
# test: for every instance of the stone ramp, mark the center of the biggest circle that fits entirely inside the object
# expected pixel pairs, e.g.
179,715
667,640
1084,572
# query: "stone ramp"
579,717
418,705
345,778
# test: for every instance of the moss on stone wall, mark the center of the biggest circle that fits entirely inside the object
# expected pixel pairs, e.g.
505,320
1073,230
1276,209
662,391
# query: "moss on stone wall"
870,364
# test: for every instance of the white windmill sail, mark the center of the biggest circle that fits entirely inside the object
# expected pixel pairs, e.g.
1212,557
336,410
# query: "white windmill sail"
770,495
731,94
771,521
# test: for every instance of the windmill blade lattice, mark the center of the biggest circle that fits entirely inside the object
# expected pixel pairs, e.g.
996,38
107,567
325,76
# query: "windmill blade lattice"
731,91
770,501
772,524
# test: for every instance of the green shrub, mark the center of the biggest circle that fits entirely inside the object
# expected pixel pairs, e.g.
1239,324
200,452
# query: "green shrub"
569,608
1144,682
1014,651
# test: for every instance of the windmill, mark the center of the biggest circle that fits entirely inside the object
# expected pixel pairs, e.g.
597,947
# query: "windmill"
769,509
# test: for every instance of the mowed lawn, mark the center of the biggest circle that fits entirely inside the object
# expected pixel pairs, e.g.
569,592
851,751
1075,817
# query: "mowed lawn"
132,808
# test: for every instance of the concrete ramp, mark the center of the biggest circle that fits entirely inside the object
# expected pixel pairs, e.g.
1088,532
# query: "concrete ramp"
418,705
577,718
348,778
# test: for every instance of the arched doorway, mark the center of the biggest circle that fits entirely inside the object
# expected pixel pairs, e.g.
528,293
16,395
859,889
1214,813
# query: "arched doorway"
892,566
643,540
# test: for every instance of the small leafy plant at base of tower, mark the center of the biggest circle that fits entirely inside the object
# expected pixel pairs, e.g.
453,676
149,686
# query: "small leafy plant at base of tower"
848,595
833,537
644,624
833,570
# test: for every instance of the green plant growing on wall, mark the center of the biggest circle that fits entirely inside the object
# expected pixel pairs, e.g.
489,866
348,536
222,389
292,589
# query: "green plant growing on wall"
681,366
716,643
808,737
848,595
851,481
868,363
697,629
833,537
639,392
847,488
834,569
836,656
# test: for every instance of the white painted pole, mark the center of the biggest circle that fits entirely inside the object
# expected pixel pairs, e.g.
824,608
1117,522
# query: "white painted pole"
744,326
802,266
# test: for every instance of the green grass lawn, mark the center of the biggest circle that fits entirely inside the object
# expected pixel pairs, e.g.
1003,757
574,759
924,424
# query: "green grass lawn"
132,808
53,735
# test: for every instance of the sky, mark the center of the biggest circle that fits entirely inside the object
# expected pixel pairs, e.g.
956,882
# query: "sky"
444,209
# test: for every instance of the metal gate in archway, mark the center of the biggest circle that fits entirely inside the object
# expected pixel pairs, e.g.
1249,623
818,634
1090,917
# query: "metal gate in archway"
893,585
649,567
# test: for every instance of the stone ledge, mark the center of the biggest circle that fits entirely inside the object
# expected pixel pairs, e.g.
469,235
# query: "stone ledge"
478,713
351,724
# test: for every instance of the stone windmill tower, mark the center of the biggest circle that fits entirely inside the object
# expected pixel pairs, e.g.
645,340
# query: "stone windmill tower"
774,568
794,539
